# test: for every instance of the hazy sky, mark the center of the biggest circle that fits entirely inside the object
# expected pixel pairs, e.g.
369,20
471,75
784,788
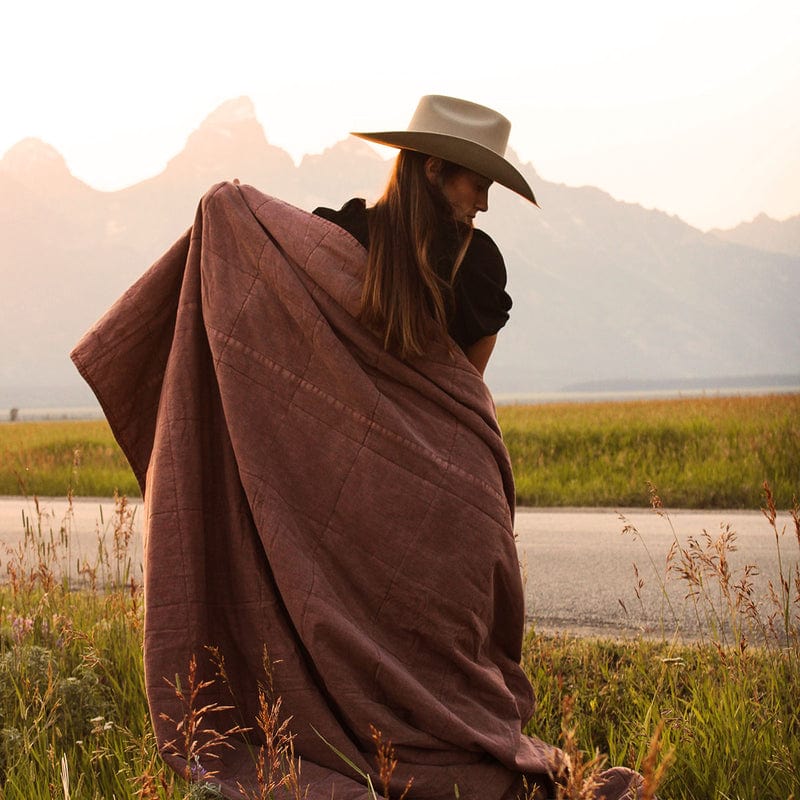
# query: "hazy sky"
692,107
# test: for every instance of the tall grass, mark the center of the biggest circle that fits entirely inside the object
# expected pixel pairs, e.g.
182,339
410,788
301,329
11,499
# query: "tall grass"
724,710
45,458
723,713
73,716
701,453
727,707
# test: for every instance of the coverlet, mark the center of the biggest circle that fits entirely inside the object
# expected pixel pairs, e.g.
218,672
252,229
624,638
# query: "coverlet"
323,521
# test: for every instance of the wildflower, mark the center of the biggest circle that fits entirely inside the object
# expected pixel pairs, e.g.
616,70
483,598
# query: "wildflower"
20,627
197,770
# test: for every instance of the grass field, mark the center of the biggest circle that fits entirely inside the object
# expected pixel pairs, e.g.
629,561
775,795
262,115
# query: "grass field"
724,721
699,453
46,459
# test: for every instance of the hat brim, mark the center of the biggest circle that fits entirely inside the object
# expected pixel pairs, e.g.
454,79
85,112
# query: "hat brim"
463,152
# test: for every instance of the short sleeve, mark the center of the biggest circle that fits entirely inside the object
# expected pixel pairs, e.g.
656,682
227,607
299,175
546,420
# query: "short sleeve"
481,301
352,217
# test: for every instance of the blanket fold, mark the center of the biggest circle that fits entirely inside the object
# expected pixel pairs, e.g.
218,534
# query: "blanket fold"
323,521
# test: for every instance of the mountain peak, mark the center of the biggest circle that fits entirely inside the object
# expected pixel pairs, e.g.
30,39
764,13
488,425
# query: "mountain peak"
233,122
350,148
228,143
231,112
33,155
761,219
765,233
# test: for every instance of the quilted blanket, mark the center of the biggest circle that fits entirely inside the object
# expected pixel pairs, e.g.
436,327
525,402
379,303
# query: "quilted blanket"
328,529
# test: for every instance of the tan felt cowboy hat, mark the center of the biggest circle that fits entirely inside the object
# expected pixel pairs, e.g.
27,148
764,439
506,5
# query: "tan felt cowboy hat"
465,133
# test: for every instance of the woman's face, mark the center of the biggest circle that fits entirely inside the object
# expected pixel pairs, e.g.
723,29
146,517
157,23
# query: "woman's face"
467,192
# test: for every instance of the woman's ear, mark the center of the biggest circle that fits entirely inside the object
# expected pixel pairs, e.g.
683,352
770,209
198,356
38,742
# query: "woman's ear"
433,169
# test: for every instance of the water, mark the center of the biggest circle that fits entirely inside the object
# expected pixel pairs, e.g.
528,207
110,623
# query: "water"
68,401
77,402
54,413
522,398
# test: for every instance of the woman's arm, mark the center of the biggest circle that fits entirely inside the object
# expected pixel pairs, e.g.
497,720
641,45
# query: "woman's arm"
479,352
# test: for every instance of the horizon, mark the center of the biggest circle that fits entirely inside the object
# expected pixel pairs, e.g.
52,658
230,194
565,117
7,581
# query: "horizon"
690,109
77,402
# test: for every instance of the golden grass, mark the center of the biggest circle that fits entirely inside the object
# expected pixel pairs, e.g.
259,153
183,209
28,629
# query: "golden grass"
701,453
47,459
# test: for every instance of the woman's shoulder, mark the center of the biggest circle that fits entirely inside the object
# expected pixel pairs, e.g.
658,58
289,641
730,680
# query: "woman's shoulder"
484,256
352,217
482,303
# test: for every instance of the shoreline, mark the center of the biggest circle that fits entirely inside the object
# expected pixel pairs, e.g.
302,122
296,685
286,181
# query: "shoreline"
87,412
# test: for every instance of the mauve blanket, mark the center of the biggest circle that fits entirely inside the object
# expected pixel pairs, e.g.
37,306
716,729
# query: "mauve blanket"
309,494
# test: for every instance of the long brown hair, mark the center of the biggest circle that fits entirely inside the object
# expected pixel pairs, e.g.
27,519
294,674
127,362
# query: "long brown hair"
405,298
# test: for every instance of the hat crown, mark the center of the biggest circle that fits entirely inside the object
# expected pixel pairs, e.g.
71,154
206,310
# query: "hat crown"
451,116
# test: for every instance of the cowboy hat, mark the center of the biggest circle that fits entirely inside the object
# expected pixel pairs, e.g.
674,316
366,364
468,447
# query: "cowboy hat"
468,134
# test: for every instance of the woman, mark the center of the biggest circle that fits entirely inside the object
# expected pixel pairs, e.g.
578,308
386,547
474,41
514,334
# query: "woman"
328,501
429,273
432,276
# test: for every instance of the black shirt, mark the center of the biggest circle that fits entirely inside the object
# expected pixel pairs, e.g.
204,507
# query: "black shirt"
480,301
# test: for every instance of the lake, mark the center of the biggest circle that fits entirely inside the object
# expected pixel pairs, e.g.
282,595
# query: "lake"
79,403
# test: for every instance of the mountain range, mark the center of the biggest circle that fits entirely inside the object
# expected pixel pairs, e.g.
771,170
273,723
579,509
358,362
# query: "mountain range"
605,293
